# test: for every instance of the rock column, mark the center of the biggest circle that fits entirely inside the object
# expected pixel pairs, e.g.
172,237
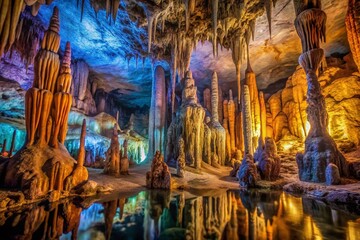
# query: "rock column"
320,148
157,113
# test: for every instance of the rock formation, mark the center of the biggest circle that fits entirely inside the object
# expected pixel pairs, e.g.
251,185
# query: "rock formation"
188,124
218,134
268,162
124,160
112,165
157,113
247,173
159,176
247,121
80,88
207,99
44,165
320,148
250,81
353,30
180,166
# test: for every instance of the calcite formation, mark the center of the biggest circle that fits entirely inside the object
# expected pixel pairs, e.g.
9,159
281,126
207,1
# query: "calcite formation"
44,165
250,81
320,148
180,166
247,121
268,162
159,176
124,160
218,134
247,173
353,29
204,140
112,165
157,113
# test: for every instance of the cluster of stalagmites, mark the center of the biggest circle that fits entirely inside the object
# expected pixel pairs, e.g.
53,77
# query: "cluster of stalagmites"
159,176
44,165
192,138
117,161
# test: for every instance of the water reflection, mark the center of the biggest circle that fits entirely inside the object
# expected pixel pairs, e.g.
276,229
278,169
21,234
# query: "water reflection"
159,215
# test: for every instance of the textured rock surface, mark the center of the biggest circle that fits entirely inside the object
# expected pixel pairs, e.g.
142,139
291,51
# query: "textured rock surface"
247,174
340,88
159,176
268,162
332,174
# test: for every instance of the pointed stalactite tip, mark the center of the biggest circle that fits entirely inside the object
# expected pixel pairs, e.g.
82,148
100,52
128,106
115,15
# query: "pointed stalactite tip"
54,22
67,56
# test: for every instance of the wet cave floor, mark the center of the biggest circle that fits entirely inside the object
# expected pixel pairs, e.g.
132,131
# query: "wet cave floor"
206,204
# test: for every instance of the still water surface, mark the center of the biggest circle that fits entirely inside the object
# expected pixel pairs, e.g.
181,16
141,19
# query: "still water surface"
161,215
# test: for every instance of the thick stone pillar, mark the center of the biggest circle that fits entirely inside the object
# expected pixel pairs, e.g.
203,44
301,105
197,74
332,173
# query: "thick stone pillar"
320,148
157,113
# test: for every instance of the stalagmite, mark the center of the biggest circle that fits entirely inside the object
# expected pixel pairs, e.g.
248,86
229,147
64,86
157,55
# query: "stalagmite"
112,166
64,80
159,176
3,150
207,100
247,121
320,148
218,133
250,81
38,169
157,113
12,146
62,105
80,173
231,112
239,132
180,165
262,117
124,160
353,29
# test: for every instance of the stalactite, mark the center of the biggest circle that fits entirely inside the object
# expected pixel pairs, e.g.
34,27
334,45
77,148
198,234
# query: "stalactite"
150,19
231,112
262,117
247,121
353,29
268,8
214,12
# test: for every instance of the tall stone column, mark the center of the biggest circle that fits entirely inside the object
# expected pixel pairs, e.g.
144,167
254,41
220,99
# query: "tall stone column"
157,113
320,148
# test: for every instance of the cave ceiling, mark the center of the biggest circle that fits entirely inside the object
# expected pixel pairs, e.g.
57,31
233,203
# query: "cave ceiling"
116,45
